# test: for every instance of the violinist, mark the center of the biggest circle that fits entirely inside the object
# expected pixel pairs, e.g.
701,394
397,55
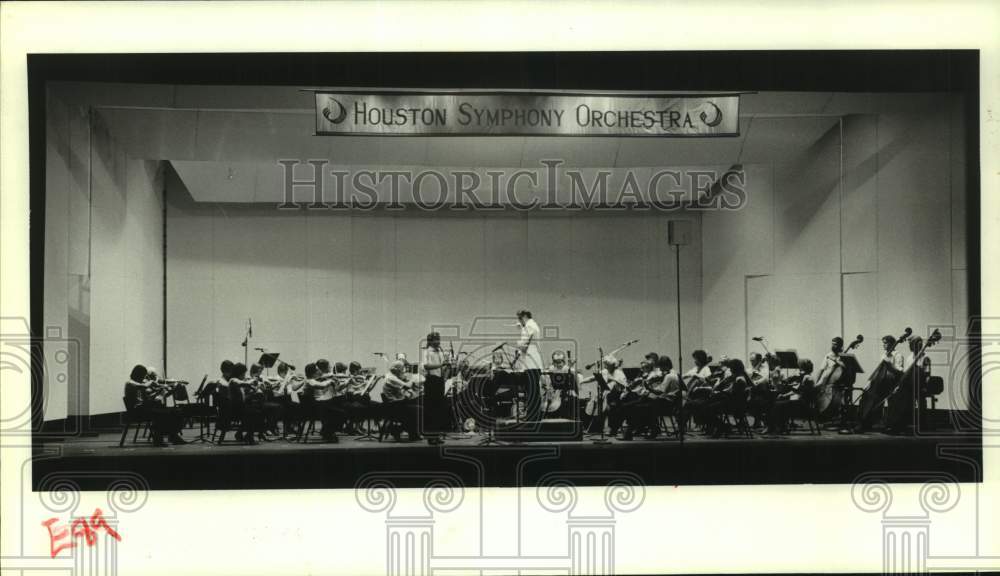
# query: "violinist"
321,384
262,394
356,402
244,405
699,375
698,383
762,389
401,401
630,407
290,386
435,409
145,397
796,398
729,395
660,396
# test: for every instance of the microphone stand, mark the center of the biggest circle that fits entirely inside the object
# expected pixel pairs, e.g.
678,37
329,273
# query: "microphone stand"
247,334
600,401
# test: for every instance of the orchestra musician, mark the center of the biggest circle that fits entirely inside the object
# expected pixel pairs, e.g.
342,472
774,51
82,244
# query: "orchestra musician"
659,395
217,390
727,394
356,402
146,397
698,385
529,361
290,386
762,390
244,405
262,393
568,396
795,398
615,378
322,385
889,356
401,401
629,408
435,408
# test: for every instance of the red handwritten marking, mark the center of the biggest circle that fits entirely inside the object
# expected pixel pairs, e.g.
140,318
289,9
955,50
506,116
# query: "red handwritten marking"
79,527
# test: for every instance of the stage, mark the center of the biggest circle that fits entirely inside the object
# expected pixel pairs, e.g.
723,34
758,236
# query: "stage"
97,461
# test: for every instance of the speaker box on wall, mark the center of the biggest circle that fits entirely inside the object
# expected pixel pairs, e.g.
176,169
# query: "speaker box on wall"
679,232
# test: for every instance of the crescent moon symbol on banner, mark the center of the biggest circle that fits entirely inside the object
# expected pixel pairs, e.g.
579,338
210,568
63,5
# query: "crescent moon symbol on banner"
715,121
342,113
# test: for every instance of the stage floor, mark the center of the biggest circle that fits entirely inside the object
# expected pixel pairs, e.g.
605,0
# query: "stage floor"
94,462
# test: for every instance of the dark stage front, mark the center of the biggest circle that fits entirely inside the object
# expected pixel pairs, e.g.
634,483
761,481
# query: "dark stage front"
96,462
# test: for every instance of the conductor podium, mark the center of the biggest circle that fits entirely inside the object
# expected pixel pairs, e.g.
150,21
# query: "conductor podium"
545,430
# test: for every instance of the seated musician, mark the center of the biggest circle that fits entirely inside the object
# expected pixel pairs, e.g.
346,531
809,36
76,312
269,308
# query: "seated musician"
144,398
262,393
217,391
569,405
661,395
356,400
244,404
792,400
321,385
761,388
617,383
697,385
400,402
632,405
729,395
290,385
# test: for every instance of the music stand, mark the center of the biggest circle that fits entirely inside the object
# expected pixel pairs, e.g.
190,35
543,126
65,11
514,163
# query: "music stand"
368,433
787,360
850,364
203,409
267,359
482,386
632,373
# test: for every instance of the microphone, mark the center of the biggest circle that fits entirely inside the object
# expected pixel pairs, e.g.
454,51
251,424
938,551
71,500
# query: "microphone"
502,344
379,354
250,322
259,349
758,338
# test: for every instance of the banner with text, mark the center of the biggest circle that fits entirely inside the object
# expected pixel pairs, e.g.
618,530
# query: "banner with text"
511,114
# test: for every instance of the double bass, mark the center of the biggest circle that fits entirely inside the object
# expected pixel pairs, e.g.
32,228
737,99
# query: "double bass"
902,400
881,383
831,380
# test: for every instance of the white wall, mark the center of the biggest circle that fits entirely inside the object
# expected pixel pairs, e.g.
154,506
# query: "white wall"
810,259
342,286
103,263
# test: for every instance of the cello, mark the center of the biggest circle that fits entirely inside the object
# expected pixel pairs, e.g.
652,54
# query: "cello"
881,383
832,379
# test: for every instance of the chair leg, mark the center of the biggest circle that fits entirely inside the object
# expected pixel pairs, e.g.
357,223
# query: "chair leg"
124,435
